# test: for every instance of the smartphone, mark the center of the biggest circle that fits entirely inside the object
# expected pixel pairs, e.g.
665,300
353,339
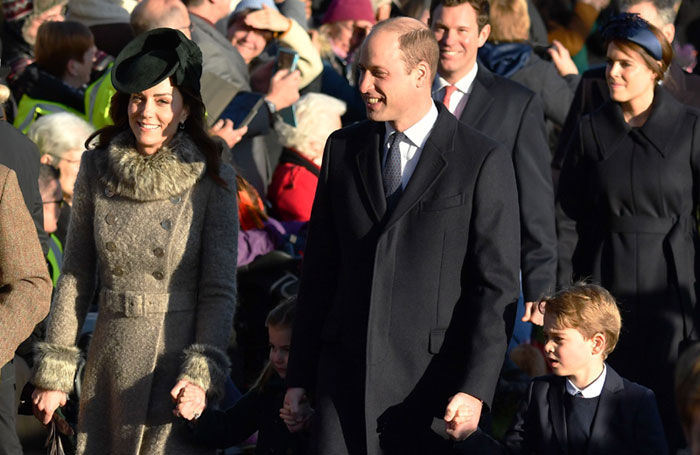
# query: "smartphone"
287,59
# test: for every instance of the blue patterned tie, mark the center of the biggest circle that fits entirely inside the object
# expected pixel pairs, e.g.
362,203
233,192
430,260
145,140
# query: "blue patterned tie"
392,169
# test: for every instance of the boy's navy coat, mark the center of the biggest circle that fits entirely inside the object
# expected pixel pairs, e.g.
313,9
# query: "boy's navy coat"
626,422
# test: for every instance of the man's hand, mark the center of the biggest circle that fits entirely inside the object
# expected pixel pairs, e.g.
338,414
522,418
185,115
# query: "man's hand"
293,425
562,59
223,128
268,19
284,88
462,416
46,402
534,312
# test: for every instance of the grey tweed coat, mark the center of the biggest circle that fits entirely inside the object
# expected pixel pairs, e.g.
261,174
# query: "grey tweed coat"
162,236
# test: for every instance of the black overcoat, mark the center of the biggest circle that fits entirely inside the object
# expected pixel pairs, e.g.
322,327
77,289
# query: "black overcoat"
398,312
626,219
513,116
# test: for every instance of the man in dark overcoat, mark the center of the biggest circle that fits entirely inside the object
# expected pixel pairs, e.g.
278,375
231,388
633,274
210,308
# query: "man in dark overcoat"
412,257
510,114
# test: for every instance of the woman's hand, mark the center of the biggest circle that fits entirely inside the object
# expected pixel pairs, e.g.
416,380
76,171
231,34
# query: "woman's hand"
46,402
268,19
190,398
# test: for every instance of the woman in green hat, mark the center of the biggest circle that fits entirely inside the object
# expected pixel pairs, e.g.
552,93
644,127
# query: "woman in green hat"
154,232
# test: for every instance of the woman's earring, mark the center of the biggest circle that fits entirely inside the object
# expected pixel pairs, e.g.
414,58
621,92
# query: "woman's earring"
182,125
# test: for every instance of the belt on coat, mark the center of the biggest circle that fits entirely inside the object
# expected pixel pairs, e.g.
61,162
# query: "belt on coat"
676,242
134,304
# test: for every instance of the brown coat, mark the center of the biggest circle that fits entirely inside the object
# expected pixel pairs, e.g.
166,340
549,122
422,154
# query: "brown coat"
162,237
25,286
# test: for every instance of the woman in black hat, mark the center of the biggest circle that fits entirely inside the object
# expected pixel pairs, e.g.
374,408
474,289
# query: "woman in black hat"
627,200
154,225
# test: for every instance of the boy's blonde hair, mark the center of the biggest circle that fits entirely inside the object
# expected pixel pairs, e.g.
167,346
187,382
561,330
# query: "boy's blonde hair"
588,308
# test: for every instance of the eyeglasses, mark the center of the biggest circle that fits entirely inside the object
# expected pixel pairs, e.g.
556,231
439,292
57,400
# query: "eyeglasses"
60,203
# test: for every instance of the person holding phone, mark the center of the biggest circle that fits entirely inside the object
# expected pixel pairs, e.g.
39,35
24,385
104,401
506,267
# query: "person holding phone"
255,23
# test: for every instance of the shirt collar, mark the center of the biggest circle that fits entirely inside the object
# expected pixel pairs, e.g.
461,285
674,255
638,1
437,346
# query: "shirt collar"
464,85
592,390
419,132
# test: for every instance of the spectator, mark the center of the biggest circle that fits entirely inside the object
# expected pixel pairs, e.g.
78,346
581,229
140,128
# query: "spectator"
294,182
508,54
55,82
61,140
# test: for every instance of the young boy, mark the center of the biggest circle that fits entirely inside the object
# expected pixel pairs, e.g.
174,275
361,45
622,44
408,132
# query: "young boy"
585,407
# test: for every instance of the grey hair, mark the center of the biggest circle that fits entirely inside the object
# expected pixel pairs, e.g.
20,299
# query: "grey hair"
59,133
664,8
309,109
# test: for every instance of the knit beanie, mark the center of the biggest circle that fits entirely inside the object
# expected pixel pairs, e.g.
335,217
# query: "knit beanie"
349,10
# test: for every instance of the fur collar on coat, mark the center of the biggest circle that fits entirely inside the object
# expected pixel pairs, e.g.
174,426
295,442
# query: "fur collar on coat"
172,170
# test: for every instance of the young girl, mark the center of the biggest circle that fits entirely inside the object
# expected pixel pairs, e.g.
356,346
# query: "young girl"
261,409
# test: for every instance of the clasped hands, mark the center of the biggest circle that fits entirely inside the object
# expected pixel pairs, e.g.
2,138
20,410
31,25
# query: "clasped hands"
297,411
190,400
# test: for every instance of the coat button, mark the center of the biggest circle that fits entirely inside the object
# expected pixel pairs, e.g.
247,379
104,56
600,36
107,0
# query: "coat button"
166,224
118,271
110,219
111,246
158,275
108,192
158,252
176,199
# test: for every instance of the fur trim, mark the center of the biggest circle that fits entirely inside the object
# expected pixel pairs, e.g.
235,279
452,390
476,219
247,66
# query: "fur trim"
207,367
172,170
55,366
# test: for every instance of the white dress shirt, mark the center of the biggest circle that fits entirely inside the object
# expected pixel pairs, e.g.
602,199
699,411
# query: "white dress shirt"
592,390
412,146
459,98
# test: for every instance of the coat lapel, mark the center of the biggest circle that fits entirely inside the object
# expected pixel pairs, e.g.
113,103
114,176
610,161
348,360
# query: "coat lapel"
369,169
430,165
480,100
555,396
607,405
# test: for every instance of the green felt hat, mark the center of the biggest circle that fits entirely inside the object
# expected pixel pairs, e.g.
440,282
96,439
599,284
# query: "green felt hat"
155,55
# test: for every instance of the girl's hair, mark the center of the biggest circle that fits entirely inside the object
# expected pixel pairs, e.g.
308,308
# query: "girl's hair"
195,126
280,317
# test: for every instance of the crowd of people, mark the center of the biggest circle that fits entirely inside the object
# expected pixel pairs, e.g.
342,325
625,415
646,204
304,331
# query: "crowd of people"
463,192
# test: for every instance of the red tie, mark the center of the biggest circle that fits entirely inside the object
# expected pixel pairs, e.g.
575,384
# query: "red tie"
449,90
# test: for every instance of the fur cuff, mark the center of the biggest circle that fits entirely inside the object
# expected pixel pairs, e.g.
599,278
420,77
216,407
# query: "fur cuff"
55,366
207,367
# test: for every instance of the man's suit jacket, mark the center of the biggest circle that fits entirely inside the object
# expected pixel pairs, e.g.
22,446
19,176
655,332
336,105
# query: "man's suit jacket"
24,277
513,115
398,311
592,93
627,420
